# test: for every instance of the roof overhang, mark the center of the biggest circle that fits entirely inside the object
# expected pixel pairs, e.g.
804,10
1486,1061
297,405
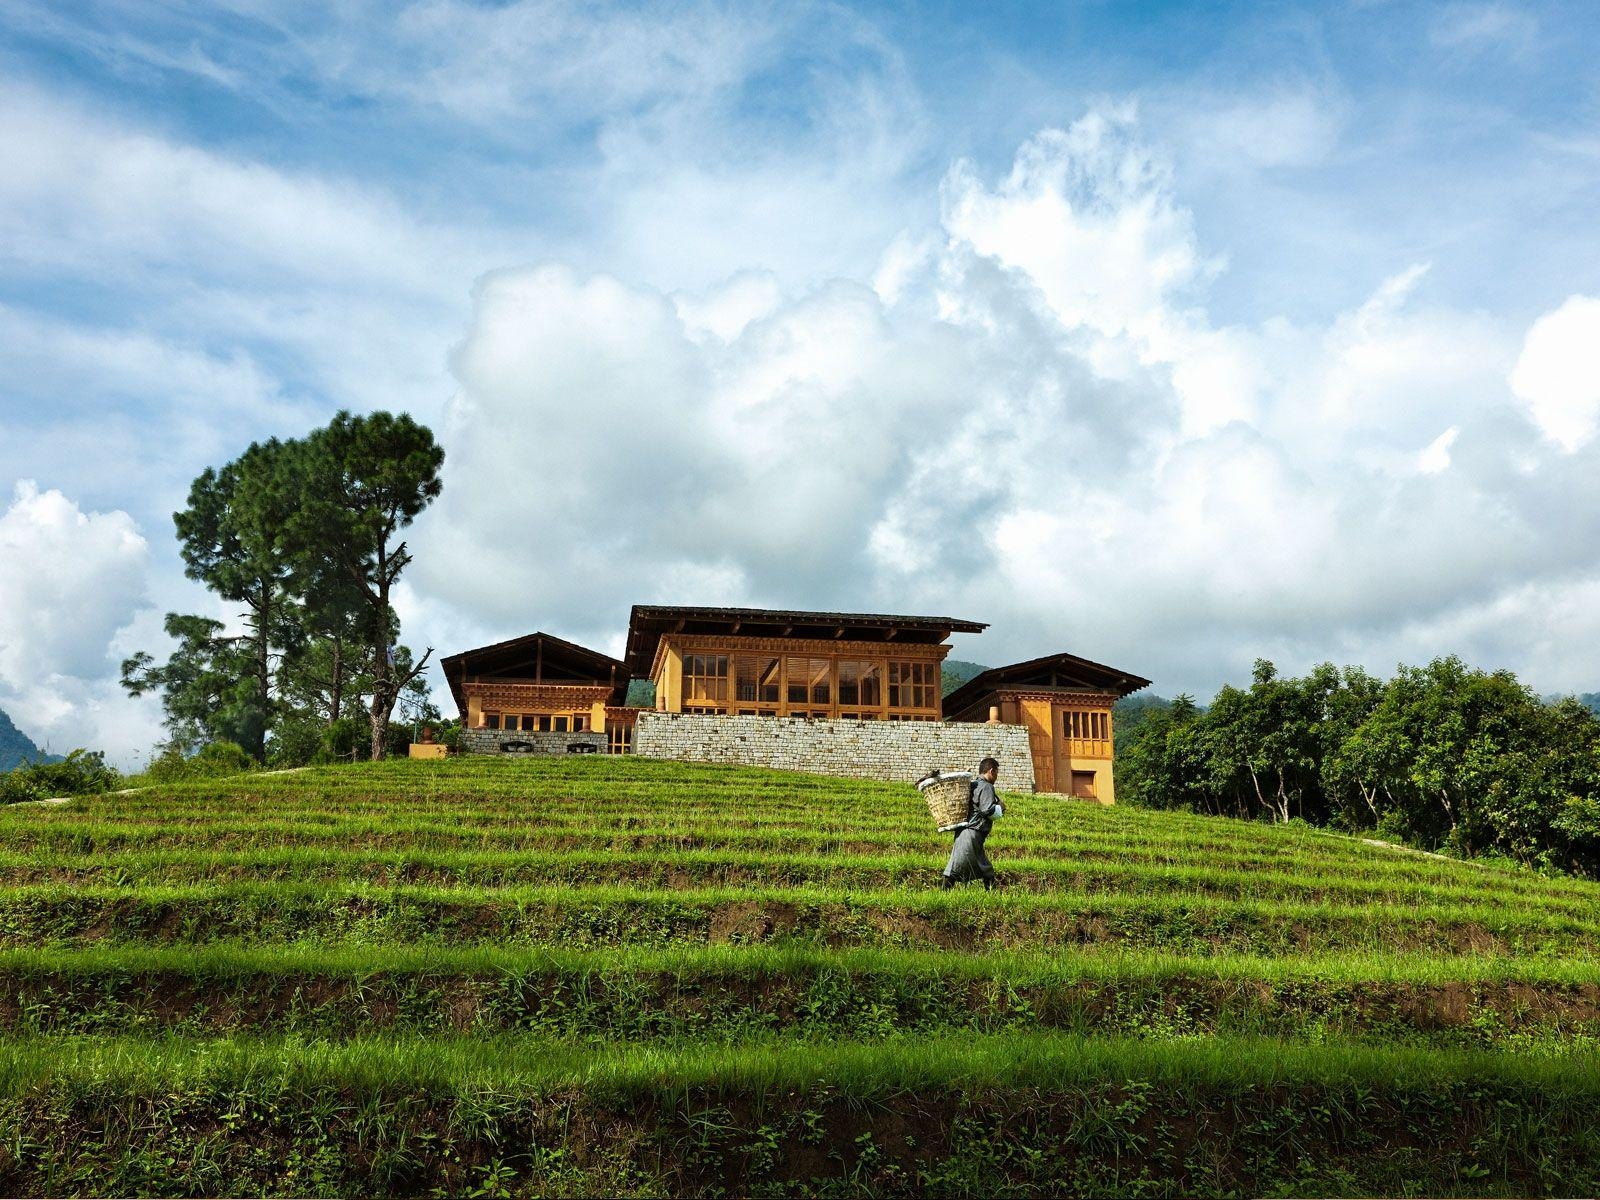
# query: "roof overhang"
1054,672
536,656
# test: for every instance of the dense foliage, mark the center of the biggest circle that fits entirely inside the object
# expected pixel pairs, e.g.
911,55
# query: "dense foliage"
78,774
1443,756
614,976
302,535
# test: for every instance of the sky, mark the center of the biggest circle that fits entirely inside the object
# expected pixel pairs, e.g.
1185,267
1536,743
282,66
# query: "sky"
1168,335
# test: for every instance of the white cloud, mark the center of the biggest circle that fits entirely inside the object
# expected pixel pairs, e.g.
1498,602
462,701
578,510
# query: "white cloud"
1435,457
1557,376
1033,423
1472,28
1278,127
69,582
544,59
81,192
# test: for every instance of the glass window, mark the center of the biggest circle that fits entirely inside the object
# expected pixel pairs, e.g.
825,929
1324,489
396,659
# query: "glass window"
1089,729
580,723
491,720
860,683
561,724
912,685
810,681
756,678
705,677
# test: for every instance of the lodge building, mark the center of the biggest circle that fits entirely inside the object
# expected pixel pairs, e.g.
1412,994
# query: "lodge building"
746,662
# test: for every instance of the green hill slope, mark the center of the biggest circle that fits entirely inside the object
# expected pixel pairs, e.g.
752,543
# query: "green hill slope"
619,976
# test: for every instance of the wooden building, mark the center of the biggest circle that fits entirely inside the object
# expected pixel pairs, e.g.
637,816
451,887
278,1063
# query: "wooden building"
1065,702
538,683
769,662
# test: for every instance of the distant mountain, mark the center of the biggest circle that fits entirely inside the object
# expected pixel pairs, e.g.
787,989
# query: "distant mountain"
1591,701
17,748
955,673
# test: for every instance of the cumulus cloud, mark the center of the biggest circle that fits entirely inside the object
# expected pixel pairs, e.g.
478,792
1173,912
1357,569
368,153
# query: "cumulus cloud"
1031,420
70,581
1557,375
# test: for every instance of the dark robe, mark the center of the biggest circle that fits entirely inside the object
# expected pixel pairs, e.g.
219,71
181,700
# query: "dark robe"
967,859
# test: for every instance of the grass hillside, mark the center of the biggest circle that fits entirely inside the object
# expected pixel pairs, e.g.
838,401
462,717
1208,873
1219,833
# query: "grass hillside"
618,976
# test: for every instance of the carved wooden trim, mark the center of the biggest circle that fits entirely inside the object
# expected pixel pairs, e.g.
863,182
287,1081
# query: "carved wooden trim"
1058,696
537,695
812,647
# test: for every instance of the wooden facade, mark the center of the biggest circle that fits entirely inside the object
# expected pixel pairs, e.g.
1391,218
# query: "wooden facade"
765,662
536,683
1065,702
770,662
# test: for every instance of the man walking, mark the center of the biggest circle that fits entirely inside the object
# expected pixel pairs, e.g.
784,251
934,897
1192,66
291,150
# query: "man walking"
967,859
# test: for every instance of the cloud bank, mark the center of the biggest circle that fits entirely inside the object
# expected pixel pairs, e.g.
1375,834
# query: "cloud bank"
1030,419
71,581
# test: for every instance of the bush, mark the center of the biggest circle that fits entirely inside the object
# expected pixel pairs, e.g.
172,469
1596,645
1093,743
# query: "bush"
81,773
212,759
17,787
296,741
349,739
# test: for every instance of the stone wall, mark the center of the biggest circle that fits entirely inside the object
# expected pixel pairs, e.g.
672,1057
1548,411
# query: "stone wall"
895,750
510,741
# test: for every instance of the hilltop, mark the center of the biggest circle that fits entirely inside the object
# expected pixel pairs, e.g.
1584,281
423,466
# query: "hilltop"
622,976
17,748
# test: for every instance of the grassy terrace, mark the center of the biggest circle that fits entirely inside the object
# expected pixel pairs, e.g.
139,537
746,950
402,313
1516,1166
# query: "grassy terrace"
620,976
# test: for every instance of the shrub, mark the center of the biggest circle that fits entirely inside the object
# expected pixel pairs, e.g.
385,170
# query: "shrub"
17,786
82,772
212,759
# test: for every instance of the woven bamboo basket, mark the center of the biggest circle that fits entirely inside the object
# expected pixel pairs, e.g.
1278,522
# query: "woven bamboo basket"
948,794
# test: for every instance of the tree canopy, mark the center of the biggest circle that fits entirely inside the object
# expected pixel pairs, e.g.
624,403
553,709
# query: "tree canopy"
301,534
1443,756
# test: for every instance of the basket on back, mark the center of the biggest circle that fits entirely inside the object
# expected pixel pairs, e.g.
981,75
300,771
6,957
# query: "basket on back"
948,794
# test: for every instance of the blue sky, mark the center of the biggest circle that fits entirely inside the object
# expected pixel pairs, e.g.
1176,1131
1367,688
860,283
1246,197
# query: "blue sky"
1166,334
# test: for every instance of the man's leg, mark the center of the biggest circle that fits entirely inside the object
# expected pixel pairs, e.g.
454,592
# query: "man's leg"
985,869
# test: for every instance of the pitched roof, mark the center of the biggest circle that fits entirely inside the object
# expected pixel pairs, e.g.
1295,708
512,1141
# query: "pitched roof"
648,623
1064,671
533,651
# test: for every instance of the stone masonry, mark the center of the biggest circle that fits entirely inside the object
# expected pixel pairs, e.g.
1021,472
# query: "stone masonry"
902,751
512,741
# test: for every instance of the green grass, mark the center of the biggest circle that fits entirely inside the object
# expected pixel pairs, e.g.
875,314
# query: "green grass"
618,976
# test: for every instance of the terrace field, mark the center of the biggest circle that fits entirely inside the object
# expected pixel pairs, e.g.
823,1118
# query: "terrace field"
618,976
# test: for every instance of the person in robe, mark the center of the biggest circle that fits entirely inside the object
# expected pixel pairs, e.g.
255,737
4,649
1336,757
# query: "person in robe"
967,859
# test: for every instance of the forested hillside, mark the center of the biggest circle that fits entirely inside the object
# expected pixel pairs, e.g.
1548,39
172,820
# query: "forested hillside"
955,672
17,747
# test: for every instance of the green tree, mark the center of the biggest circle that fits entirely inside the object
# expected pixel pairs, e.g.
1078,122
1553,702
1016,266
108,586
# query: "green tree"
230,536
367,478
207,685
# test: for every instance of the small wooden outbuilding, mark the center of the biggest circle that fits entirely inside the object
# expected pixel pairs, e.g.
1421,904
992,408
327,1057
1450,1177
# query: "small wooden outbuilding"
1065,702
538,683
